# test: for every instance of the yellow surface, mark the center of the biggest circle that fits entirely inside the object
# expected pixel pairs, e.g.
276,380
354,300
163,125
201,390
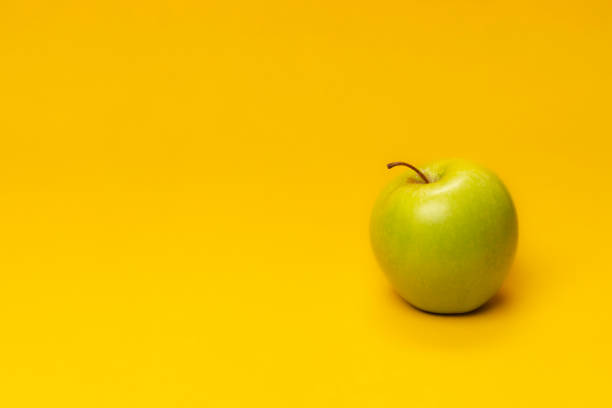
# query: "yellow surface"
186,187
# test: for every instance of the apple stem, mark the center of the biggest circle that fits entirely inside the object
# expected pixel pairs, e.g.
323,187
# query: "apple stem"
391,165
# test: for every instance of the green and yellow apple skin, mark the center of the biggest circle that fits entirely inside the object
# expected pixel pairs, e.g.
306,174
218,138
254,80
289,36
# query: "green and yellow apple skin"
445,246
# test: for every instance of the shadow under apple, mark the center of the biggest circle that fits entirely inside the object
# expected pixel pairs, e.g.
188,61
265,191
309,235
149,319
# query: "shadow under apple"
488,324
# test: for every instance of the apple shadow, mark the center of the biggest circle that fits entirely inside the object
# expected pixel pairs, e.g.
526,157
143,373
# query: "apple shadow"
494,319
500,300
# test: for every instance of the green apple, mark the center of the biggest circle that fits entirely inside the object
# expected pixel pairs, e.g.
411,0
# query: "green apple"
445,235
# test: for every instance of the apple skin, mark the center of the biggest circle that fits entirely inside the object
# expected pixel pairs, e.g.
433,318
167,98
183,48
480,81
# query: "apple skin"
446,246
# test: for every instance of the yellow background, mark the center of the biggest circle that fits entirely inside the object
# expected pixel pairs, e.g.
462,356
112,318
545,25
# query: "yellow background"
186,186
